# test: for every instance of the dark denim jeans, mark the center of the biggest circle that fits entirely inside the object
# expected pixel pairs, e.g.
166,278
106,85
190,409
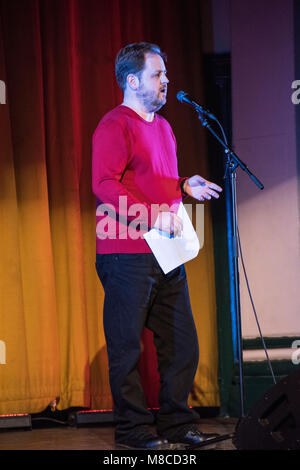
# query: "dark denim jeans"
138,294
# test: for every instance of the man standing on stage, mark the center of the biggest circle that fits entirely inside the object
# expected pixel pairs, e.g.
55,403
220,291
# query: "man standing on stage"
135,179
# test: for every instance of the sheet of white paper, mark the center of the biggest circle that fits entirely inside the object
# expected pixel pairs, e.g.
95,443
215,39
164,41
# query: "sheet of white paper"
172,252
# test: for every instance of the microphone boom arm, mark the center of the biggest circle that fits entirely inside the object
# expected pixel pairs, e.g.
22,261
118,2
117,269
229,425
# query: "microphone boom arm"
229,152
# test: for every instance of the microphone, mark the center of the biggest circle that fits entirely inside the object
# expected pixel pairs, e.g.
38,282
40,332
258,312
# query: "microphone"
183,97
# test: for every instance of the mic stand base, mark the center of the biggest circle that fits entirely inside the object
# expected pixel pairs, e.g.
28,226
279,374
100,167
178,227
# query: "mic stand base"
212,441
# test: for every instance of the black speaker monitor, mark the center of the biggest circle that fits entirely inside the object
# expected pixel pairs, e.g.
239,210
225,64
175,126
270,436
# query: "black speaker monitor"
274,421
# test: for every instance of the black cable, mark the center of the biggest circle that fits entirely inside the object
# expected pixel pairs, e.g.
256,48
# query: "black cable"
253,307
50,419
222,130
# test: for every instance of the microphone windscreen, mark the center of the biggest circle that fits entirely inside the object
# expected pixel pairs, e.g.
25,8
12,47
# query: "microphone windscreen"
180,95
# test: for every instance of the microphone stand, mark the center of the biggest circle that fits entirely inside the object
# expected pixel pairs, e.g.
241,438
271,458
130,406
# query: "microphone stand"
232,163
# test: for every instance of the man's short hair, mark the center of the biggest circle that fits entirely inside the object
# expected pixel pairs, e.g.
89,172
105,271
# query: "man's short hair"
131,59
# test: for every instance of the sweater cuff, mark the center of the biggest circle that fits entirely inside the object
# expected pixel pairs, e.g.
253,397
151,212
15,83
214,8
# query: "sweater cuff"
181,183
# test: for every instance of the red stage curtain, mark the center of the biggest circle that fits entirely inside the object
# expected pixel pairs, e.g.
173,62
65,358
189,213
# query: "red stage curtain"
57,62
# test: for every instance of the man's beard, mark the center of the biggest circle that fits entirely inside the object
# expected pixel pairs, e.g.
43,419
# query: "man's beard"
151,100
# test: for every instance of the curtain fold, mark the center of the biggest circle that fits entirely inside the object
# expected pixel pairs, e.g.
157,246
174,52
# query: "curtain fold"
57,61
29,379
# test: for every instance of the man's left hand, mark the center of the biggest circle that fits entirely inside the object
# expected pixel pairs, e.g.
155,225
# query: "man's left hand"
201,189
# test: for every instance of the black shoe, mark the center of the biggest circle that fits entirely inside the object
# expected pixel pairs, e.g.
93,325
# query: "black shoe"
142,437
188,434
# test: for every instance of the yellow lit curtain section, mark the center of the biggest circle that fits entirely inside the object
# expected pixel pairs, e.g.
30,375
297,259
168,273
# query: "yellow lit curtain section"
57,61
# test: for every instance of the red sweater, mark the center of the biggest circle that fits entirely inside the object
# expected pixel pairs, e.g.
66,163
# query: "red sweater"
136,160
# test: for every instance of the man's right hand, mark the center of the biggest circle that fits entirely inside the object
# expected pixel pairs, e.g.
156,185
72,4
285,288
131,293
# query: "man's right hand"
170,223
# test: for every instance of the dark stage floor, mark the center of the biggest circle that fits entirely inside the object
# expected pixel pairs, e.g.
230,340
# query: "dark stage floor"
97,437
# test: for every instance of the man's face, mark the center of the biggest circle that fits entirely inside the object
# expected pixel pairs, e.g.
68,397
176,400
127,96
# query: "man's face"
152,90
